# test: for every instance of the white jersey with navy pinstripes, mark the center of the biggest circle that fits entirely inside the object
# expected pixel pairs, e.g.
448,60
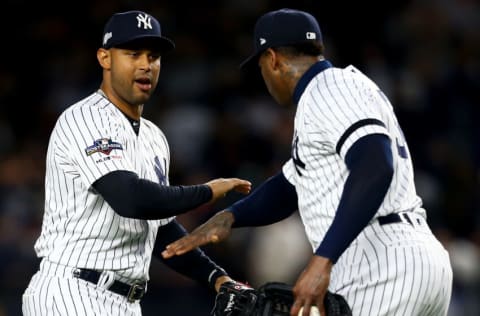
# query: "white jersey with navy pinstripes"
338,107
397,269
80,229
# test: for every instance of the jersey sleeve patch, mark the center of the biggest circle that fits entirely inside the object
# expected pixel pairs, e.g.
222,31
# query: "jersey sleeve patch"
104,146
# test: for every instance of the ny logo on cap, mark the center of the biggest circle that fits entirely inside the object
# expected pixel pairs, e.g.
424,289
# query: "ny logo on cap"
262,41
145,20
311,35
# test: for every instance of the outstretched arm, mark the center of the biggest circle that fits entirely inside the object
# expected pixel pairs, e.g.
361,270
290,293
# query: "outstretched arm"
195,265
273,201
132,197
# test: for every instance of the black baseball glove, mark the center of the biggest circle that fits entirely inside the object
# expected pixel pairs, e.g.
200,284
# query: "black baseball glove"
271,299
276,299
235,299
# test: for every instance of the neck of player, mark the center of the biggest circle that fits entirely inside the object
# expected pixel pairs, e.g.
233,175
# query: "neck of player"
133,111
294,68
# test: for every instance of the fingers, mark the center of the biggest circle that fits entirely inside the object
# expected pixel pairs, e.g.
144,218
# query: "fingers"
308,305
296,307
188,243
214,230
176,250
238,181
233,182
242,186
301,308
321,308
244,189
182,246
173,249
220,187
168,253
305,309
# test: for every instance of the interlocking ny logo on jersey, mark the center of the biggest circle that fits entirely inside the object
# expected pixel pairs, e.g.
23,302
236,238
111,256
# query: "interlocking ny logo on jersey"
162,179
145,20
299,164
104,146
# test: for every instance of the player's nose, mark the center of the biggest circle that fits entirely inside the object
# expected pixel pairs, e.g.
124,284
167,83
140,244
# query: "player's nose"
144,62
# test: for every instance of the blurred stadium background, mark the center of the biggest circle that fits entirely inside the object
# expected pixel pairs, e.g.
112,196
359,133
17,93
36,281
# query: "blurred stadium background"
221,122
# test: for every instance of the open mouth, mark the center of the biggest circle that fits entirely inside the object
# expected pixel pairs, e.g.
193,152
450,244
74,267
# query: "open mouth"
144,84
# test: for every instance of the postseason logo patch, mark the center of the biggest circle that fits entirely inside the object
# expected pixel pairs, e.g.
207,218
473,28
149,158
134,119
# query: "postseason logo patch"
104,146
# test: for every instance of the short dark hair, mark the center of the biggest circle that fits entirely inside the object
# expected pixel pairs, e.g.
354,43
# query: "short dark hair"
306,48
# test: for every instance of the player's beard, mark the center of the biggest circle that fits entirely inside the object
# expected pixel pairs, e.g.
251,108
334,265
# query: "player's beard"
140,96
130,93
141,91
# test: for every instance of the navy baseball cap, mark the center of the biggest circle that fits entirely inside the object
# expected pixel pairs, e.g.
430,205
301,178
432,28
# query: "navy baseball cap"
282,28
132,27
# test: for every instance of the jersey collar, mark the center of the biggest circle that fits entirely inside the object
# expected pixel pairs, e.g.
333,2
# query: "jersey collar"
314,70
135,124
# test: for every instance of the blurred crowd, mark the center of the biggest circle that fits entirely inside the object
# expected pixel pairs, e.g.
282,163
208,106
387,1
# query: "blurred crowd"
221,122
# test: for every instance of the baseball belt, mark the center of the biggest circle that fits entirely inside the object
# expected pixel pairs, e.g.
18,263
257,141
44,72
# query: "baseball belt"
132,292
393,218
404,217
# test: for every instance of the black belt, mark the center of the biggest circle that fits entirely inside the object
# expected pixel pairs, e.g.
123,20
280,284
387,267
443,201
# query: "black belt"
132,292
394,218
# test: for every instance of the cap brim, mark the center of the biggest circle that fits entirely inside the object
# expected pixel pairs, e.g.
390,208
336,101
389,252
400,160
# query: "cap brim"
156,43
250,61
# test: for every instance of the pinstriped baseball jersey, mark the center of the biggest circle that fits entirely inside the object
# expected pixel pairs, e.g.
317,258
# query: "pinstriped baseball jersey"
90,139
338,107
397,269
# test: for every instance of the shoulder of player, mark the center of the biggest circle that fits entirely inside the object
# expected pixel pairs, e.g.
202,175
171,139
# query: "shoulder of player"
339,84
93,100
152,127
331,92
355,76
92,105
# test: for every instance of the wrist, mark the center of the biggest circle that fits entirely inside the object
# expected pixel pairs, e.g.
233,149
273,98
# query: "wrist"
217,277
228,218
220,280
209,191
322,263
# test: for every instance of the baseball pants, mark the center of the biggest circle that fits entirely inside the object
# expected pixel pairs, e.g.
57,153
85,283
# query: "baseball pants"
53,290
395,269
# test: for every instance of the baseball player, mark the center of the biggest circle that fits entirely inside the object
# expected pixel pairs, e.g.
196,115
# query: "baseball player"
350,175
108,203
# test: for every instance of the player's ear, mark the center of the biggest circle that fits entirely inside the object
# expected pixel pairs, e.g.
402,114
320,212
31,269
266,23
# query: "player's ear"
282,62
270,58
104,58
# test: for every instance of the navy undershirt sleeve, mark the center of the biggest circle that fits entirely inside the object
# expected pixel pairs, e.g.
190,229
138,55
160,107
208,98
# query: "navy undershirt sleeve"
132,197
272,201
370,163
194,264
